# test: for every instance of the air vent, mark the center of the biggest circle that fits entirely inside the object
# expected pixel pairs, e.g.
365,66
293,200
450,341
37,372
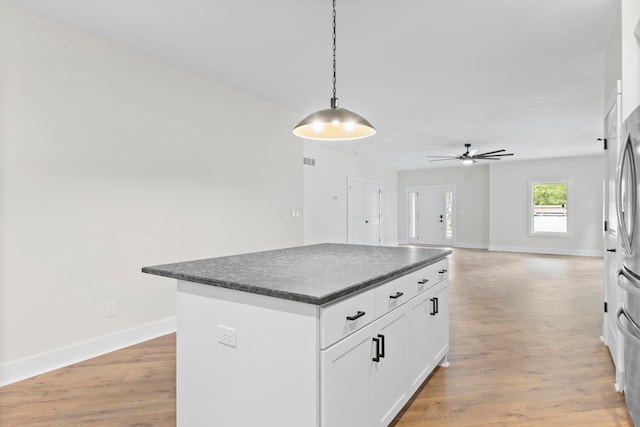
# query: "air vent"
308,161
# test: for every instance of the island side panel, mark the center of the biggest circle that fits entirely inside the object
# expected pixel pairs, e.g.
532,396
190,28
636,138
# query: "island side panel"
271,375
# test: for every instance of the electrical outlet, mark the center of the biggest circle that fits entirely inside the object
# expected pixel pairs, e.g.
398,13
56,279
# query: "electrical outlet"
110,309
227,336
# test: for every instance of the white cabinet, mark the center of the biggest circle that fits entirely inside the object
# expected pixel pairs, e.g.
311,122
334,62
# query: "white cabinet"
428,333
344,381
367,377
363,377
389,374
439,326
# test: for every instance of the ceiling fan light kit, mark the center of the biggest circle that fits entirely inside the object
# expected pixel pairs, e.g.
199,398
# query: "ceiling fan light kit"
470,157
334,123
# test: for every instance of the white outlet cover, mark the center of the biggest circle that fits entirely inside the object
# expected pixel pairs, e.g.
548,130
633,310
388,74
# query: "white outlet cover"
227,336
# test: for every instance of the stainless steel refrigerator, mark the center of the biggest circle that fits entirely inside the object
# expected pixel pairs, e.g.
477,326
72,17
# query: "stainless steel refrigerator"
627,206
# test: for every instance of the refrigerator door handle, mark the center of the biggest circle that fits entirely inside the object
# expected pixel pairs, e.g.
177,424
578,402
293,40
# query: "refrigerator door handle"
628,282
627,159
632,330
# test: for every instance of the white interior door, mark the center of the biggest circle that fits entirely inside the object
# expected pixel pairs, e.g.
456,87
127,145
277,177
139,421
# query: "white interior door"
363,212
430,214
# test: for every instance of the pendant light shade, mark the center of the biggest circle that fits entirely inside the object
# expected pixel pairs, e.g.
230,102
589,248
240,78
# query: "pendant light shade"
334,123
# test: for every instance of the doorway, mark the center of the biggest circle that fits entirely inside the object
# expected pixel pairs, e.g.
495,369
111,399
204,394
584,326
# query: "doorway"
431,214
612,249
363,211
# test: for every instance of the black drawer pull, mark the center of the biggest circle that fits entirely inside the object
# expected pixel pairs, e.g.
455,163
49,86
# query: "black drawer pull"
433,306
396,296
356,316
381,344
444,270
423,281
377,356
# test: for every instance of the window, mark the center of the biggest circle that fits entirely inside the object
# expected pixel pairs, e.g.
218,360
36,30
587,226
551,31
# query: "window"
413,215
448,215
550,208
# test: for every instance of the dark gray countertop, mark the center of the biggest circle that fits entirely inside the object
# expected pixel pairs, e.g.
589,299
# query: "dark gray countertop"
315,274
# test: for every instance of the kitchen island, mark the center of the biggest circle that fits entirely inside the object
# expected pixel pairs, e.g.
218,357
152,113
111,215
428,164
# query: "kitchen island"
321,335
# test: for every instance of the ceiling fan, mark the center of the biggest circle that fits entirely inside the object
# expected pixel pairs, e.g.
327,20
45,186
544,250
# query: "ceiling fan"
470,157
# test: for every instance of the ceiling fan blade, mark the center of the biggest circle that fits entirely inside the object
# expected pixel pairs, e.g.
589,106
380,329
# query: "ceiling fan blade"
490,152
442,157
440,160
494,155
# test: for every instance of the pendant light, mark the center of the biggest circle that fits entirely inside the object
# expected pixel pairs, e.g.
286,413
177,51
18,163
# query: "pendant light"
334,123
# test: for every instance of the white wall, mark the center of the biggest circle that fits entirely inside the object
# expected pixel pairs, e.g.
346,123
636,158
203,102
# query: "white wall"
110,161
509,205
325,194
630,56
613,60
472,201
492,203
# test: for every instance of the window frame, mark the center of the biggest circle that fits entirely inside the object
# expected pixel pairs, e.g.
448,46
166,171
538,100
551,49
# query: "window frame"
570,208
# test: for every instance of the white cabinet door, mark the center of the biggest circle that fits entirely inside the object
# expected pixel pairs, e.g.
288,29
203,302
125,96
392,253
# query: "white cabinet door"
439,327
364,376
420,355
344,380
389,374
428,333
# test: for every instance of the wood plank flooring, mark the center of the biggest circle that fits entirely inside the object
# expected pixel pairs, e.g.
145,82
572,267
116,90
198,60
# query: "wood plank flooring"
525,351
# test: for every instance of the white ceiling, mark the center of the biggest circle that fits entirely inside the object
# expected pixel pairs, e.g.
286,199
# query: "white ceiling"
431,75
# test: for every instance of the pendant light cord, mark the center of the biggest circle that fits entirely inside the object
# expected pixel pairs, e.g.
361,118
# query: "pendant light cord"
334,100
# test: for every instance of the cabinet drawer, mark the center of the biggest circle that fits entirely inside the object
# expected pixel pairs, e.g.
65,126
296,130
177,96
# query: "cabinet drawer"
392,295
427,277
442,269
421,280
344,317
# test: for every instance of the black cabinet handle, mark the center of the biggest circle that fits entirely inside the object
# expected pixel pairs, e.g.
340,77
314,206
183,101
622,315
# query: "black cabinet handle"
444,270
381,345
437,305
358,315
611,250
423,281
376,358
396,296
433,306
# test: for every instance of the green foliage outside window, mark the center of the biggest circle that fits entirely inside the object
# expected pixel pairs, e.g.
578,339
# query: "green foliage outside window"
550,194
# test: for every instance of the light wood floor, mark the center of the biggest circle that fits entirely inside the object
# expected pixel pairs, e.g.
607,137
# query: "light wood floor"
525,351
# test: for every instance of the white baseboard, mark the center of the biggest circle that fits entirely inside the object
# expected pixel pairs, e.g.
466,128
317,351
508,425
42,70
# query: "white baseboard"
471,245
56,359
548,251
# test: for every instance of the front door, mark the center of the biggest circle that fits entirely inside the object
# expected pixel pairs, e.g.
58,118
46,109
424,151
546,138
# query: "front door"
431,214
